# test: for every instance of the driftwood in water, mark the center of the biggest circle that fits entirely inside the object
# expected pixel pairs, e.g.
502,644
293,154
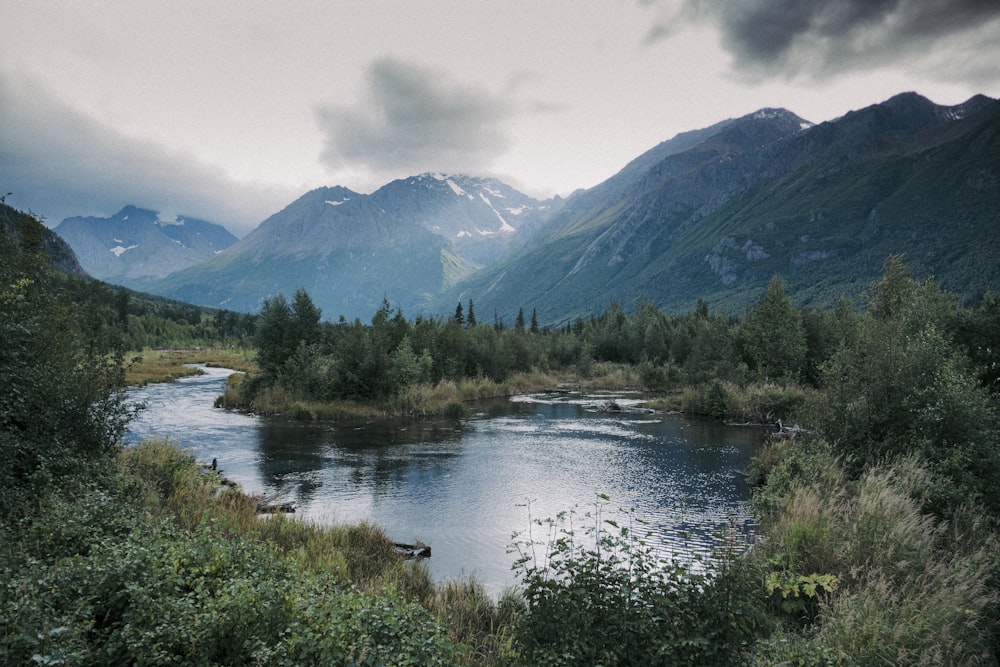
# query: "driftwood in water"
614,406
411,551
271,505
787,432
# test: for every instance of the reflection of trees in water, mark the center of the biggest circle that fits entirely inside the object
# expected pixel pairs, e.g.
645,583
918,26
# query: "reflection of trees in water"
371,453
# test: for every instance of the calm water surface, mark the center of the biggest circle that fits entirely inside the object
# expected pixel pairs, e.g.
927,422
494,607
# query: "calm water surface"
465,486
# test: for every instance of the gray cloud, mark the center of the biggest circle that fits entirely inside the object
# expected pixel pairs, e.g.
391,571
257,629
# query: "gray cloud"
792,37
60,163
413,119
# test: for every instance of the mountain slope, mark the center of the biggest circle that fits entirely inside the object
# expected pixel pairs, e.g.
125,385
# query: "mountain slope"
770,194
22,233
405,242
134,244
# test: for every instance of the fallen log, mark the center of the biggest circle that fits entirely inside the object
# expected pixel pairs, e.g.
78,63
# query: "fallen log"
270,505
412,551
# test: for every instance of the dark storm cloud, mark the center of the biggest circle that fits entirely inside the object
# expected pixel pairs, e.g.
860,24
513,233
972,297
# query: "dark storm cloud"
59,163
806,36
412,119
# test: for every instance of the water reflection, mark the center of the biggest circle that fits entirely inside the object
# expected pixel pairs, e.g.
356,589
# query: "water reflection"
298,459
464,486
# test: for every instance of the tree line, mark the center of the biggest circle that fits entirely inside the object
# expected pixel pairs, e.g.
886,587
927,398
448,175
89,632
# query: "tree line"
774,342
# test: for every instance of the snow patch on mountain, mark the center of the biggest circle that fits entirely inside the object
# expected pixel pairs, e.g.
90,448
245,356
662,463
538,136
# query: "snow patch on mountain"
118,250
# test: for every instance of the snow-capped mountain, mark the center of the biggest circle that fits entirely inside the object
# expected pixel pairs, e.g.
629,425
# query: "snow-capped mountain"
136,244
482,217
405,242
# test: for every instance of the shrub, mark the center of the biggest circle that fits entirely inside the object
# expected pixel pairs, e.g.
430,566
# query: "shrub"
168,596
609,598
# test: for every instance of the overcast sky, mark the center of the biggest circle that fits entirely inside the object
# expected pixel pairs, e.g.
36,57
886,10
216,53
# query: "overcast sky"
228,110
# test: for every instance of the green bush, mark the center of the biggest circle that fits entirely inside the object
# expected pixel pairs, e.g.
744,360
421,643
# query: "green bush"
607,597
164,595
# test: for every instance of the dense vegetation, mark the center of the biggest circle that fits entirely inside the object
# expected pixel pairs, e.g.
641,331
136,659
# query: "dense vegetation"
755,369
879,521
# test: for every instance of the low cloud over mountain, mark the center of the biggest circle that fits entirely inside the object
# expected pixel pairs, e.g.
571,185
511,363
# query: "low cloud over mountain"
59,162
412,120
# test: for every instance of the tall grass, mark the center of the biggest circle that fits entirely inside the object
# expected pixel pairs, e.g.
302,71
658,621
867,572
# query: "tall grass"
169,364
913,590
191,495
485,626
759,403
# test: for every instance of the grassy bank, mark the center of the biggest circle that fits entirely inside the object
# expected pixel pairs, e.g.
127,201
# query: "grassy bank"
162,563
448,397
168,364
755,403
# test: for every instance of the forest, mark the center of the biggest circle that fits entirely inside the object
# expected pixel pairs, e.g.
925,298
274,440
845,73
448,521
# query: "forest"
878,515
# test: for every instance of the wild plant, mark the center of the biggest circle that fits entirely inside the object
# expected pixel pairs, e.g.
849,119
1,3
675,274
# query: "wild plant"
600,593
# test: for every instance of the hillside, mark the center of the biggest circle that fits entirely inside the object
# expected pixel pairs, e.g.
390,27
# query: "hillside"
715,214
22,233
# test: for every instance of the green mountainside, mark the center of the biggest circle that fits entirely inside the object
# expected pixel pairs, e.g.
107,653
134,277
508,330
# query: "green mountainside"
768,194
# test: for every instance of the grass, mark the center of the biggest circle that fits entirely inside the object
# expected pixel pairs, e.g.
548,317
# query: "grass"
167,365
912,589
177,488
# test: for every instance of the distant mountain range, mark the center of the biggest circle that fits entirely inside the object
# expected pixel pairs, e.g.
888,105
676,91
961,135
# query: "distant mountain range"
711,214
405,243
135,245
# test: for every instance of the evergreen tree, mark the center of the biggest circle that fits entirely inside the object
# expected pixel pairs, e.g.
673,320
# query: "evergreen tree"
459,317
534,321
471,319
305,318
273,337
519,322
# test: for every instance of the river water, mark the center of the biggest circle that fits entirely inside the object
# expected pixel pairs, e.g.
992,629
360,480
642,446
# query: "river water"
466,486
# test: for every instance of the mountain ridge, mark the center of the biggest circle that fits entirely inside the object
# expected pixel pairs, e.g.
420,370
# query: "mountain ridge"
662,236
136,244
709,214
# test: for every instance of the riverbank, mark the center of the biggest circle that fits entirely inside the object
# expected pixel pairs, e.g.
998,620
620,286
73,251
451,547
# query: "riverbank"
762,403
446,398
168,364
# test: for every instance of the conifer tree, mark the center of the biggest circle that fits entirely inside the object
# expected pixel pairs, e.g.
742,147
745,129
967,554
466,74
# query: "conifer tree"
774,341
519,322
470,321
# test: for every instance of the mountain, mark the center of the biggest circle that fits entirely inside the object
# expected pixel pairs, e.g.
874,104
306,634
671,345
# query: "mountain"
405,242
20,233
135,244
715,213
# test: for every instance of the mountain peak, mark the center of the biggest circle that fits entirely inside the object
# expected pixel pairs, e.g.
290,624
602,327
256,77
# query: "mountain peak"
778,116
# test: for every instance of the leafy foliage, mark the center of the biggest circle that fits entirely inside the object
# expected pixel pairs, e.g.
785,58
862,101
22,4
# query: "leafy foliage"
604,596
61,367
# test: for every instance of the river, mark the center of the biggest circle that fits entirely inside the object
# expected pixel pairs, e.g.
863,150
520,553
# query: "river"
466,486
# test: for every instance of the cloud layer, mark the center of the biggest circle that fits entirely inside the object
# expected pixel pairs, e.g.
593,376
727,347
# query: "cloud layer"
60,163
818,39
413,119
